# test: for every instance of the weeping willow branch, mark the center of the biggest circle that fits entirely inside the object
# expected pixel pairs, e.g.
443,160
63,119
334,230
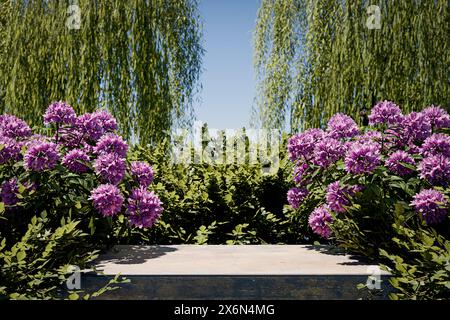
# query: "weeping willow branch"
140,59
314,58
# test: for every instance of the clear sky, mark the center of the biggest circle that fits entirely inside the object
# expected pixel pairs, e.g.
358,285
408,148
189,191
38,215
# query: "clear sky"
228,78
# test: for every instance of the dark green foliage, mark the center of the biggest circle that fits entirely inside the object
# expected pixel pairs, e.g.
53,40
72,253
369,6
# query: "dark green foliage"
39,263
37,256
219,204
316,58
31,267
422,269
139,59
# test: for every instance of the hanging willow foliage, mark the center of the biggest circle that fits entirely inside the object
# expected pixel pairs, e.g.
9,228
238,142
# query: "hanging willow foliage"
317,57
140,59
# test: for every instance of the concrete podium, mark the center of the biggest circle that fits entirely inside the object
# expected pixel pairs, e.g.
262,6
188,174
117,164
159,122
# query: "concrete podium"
234,272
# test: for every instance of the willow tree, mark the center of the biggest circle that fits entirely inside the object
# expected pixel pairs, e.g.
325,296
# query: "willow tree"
140,59
317,57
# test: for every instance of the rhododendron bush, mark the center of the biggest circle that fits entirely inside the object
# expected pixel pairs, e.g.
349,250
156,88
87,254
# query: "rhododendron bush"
402,162
80,164
363,187
73,170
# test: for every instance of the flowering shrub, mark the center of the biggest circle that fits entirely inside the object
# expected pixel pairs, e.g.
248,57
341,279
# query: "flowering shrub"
360,186
76,148
347,164
73,170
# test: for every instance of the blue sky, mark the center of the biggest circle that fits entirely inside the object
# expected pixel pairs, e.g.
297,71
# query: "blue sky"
228,78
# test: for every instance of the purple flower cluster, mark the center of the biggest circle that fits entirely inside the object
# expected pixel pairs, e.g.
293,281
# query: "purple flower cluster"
111,143
110,167
437,117
416,127
362,157
96,124
431,204
89,127
9,149
76,161
327,151
106,120
342,126
436,144
107,199
9,191
385,112
339,197
60,113
436,170
142,172
319,221
41,156
144,208
395,163
295,196
13,127
301,145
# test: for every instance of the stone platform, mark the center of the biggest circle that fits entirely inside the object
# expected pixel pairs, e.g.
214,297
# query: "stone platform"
233,272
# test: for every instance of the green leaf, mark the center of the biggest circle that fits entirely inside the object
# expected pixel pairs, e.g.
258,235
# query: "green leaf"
361,286
21,255
21,188
74,296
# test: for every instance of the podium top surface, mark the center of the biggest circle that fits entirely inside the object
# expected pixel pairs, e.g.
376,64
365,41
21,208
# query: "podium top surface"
194,260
